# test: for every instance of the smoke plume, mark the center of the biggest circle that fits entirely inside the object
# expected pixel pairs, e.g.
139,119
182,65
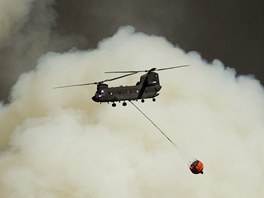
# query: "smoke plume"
12,16
26,33
59,143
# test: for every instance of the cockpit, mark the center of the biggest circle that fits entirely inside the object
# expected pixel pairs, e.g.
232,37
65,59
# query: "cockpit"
100,93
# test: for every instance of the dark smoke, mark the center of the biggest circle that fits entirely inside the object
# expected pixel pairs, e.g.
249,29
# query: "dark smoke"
20,50
231,31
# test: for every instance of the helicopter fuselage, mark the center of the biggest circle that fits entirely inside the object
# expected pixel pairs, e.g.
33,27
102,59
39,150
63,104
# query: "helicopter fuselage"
147,87
123,93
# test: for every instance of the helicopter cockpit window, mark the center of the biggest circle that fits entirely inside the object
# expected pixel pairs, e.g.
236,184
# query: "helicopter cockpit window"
101,93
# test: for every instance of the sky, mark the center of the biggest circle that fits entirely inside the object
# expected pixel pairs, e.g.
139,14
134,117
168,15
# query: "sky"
59,143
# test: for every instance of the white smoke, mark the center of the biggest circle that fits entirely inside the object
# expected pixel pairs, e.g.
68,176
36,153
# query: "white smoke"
59,143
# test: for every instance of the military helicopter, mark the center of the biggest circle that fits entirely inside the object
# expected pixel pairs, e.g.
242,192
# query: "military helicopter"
147,87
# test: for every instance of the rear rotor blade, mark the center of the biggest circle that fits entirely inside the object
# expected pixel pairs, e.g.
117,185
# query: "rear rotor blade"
111,79
152,69
172,67
121,72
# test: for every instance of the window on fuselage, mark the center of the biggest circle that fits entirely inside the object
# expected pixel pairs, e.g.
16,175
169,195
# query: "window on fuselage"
153,83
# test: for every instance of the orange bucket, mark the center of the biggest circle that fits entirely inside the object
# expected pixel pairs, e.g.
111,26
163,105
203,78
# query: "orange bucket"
197,167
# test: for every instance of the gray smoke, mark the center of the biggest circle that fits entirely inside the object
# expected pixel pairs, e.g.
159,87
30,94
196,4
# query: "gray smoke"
26,33
13,16
59,143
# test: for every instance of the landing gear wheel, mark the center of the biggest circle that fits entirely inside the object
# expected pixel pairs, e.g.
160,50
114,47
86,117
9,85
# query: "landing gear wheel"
124,104
153,99
142,100
114,104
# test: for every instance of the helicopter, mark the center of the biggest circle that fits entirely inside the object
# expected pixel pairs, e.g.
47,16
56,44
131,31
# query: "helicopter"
148,87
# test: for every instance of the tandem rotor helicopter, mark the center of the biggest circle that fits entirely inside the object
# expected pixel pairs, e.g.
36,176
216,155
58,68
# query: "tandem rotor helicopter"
147,87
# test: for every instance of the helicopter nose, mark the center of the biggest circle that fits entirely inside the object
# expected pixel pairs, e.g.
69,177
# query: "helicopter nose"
96,98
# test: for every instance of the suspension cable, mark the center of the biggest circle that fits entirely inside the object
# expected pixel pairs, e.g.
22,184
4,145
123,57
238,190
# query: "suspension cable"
188,158
154,124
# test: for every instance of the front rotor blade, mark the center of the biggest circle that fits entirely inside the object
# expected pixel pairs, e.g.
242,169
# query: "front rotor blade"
172,67
94,83
76,85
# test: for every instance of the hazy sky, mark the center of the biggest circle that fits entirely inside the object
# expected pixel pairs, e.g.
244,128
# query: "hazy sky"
230,30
